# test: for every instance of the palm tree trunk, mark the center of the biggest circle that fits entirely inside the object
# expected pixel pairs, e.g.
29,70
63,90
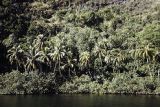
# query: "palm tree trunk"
158,74
74,72
55,68
69,72
40,68
101,60
17,66
59,69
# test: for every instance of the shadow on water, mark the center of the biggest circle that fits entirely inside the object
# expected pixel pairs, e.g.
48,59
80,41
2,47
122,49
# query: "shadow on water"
80,101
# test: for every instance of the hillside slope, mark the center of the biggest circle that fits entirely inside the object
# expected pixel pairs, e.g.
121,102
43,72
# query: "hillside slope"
84,47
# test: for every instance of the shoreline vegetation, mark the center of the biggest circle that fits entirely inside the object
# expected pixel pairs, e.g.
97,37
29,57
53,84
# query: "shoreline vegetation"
16,83
80,47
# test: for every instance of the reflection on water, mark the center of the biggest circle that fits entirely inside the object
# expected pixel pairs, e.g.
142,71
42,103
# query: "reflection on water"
80,101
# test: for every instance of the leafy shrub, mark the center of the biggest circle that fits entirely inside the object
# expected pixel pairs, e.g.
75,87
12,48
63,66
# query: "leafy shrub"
136,85
39,5
119,84
106,14
82,84
143,71
90,18
70,17
117,22
24,83
151,33
41,27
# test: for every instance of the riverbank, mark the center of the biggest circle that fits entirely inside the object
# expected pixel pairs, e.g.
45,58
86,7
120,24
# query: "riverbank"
33,83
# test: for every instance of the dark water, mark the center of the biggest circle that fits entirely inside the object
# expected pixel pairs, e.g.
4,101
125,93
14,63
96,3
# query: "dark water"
80,101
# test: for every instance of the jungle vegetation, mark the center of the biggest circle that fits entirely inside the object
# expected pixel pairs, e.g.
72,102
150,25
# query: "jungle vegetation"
79,46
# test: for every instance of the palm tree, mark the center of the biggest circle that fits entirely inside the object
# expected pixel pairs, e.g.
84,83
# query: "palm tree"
85,61
145,53
100,51
116,57
33,57
39,42
45,56
157,61
56,57
15,54
70,63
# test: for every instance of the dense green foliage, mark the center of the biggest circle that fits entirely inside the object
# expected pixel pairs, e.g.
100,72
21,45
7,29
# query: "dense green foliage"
112,48
27,83
120,83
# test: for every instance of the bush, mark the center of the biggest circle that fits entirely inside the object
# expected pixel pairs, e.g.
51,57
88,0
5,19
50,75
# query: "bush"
151,33
106,14
136,85
117,22
82,84
143,71
90,18
27,83
121,84
42,27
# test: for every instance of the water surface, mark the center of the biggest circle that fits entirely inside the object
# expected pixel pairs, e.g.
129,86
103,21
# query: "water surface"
80,101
